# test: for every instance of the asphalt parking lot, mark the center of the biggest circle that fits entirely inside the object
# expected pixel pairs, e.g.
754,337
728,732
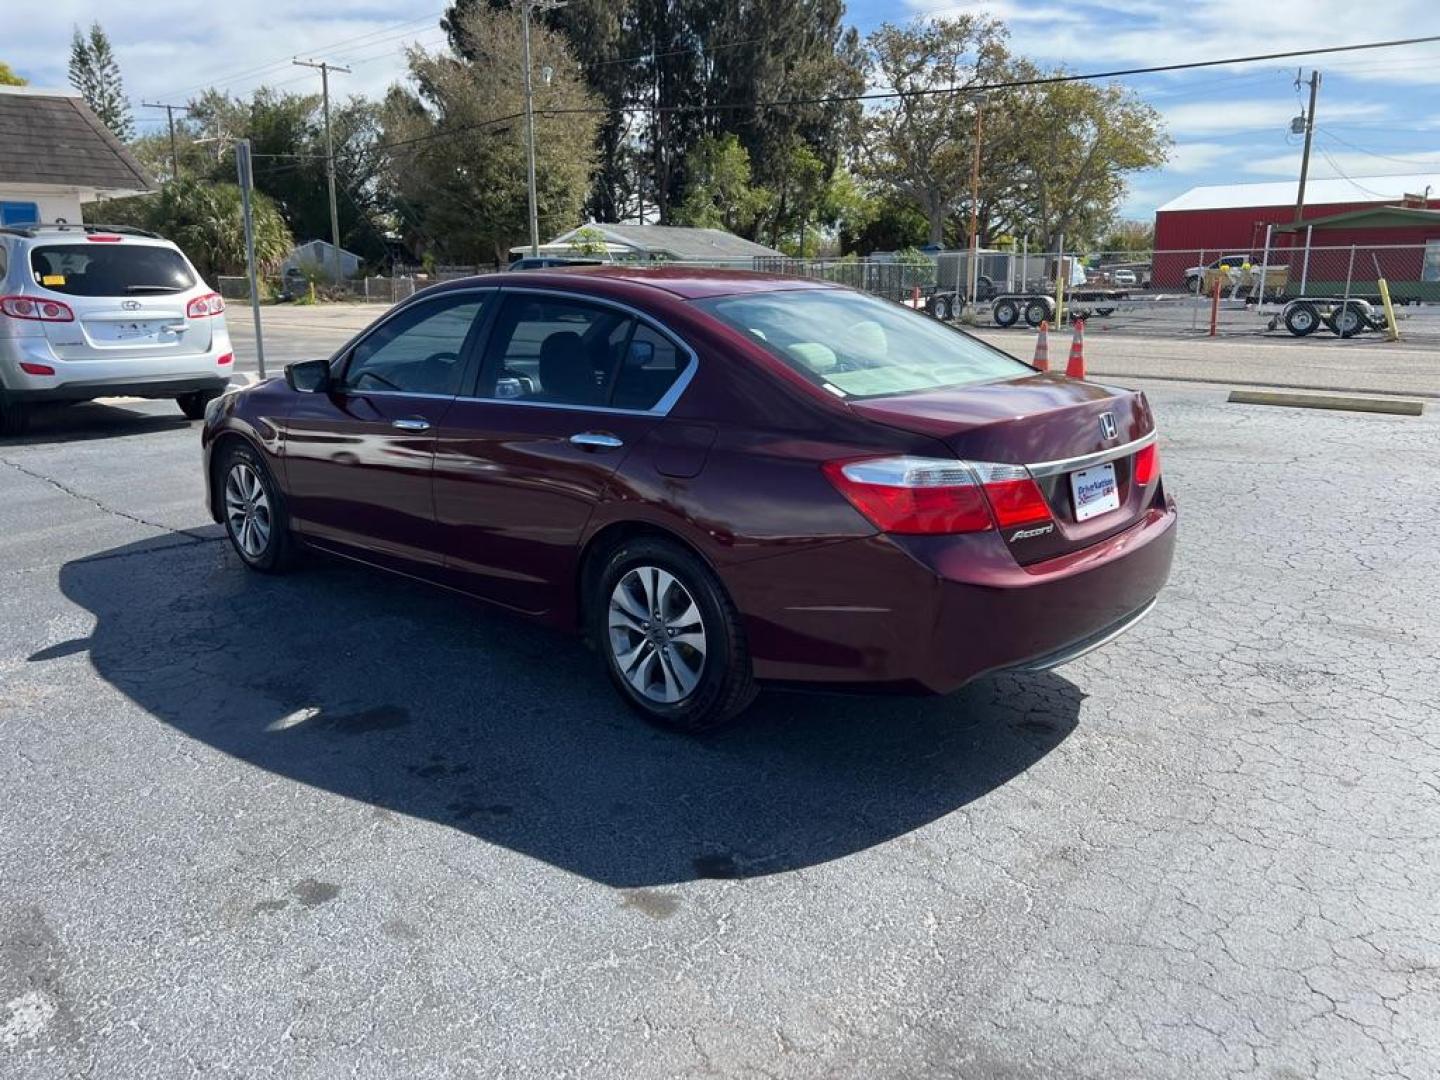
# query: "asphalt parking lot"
337,824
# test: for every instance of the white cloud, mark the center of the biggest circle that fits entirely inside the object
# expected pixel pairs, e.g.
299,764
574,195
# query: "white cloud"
1196,157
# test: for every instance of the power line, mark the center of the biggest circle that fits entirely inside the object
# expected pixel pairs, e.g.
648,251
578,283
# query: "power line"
281,62
1432,163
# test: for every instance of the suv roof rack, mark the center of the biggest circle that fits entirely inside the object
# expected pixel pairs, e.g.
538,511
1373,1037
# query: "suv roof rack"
86,228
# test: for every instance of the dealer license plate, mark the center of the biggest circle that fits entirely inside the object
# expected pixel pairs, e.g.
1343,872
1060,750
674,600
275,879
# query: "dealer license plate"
1095,491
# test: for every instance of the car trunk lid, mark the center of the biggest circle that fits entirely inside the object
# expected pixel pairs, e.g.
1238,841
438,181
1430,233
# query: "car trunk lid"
1078,439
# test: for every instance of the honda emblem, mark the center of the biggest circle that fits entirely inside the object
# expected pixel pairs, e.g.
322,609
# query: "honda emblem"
130,305
1107,425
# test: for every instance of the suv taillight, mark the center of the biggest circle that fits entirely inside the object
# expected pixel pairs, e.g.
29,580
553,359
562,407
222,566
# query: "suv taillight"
202,307
929,496
25,307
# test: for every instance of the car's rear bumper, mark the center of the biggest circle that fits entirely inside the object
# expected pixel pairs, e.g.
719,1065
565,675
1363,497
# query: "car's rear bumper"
156,375
145,388
929,614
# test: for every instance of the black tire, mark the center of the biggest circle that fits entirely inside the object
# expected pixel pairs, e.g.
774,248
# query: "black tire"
193,404
14,416
1006,313
1104,311
277,553
723,682
940,308
1302,319
1347,320
1192,284
1036,312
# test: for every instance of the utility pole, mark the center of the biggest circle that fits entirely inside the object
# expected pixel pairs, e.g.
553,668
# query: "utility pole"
974,282
1309,126
325,70
525,8
170,115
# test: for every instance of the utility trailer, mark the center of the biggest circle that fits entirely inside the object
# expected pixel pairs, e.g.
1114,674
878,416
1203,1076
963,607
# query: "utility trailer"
1008,309
1342,317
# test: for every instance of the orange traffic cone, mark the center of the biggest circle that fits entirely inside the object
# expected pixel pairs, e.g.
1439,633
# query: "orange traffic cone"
1042,348
1076,367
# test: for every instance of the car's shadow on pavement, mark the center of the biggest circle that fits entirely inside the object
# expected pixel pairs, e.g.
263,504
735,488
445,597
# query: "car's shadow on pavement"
51,422
424,704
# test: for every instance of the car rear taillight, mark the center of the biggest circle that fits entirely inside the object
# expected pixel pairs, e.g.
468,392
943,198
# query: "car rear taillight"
1147,465
225,358
202,307
915,495
36,369
1014,496
24,307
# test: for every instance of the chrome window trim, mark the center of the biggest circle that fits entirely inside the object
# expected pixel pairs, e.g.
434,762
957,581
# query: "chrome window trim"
660,408
1086,461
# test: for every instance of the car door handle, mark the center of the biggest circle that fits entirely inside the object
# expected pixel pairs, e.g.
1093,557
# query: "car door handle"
411,425
597,440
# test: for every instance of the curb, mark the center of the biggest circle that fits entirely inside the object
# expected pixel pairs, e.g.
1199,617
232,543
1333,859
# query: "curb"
1315,401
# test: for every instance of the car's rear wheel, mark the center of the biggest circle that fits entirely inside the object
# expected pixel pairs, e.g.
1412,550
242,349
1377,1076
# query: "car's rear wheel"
253,512
193,404
673,641
14,416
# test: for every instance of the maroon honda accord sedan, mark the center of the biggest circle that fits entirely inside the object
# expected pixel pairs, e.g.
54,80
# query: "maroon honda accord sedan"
721,478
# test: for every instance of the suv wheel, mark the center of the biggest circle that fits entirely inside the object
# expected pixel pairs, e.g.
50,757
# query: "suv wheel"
14,415
193,404
253,512
673,642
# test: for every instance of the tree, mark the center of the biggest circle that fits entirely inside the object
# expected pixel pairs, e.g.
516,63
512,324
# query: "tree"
920,145
454,146
1062,156
287,140
1129,236
95,73
721,194
8,76
204,220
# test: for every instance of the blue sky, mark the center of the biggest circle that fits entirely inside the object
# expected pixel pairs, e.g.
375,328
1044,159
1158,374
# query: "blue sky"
1379,111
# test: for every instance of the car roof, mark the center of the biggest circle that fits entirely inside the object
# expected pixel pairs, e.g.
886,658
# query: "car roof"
613,279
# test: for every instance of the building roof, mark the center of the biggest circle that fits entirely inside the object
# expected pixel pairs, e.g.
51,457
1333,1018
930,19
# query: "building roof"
1375,217
676,241
52,138
1330,191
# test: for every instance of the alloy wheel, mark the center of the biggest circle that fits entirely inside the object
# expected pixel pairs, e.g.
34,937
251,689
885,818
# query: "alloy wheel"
656,635
247,510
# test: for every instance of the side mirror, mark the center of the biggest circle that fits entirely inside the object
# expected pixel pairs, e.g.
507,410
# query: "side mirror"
308,376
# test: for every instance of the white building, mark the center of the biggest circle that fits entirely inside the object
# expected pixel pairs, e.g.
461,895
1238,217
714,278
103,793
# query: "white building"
55,154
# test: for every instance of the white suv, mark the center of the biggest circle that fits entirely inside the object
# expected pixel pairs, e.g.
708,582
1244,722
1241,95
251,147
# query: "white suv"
90,311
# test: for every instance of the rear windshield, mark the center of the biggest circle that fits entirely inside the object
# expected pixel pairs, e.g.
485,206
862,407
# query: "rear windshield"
859,346
110,269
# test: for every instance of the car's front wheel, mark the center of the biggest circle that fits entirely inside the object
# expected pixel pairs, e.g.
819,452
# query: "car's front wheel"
672,640
253,511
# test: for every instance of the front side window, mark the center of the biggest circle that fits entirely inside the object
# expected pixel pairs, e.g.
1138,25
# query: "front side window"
559,351
110,268
859,346
419,351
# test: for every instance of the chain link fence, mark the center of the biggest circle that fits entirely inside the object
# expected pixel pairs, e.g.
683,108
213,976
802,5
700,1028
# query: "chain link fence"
1292,288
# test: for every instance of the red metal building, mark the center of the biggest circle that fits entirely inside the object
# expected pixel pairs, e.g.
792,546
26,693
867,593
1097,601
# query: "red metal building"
1208,223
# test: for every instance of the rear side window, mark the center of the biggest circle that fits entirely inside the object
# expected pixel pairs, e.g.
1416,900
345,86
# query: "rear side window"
652,364
98,268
